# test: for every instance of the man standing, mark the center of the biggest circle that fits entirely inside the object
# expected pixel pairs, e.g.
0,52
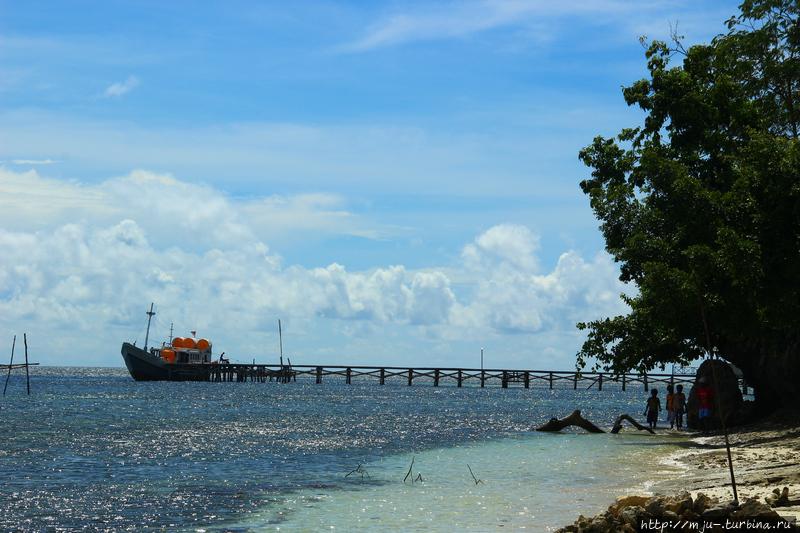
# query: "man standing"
670,406
679,405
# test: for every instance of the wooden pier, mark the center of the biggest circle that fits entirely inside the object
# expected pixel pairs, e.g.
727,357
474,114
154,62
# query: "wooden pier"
459,377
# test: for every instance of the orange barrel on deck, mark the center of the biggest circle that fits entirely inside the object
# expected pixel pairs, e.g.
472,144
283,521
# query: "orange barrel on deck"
203,345
177,342
168,355
188,342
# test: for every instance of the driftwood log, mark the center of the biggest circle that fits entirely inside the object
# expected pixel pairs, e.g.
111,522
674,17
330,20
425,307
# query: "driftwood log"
575,419
634,423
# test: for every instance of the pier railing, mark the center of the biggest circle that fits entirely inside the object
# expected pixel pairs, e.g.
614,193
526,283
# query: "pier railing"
434,376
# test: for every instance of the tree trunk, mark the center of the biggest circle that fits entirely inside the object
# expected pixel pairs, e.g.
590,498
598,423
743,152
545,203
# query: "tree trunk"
772,371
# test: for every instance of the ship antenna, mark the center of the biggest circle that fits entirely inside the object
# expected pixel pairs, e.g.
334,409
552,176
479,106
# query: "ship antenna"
170,332
150,314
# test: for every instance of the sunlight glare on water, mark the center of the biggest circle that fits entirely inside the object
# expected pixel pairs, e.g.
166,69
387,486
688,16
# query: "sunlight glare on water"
91,448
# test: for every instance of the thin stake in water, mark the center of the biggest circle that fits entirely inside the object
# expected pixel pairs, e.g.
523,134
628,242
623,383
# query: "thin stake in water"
27,373
10,364
409,471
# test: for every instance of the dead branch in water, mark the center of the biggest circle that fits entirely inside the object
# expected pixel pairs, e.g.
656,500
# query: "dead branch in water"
359,470
575,419
634,423
473,476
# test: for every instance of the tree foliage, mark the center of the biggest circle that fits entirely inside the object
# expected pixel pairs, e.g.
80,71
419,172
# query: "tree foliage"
700,204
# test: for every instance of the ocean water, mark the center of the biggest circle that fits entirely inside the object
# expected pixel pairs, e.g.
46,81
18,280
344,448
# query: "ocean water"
92,449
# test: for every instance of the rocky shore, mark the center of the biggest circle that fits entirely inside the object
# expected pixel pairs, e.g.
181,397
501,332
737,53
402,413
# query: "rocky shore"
766,459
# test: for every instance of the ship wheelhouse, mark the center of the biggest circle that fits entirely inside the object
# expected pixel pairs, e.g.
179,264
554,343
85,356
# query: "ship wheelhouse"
186,350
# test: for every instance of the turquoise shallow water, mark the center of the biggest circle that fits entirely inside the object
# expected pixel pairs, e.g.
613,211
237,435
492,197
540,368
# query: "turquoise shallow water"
93,449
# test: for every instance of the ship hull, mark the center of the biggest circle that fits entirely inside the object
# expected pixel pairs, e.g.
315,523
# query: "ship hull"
144,366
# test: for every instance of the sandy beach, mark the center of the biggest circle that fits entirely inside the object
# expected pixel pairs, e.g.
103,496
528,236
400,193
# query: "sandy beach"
766,460
766,456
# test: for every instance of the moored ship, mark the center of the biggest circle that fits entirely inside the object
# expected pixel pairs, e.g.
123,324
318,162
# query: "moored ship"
180,359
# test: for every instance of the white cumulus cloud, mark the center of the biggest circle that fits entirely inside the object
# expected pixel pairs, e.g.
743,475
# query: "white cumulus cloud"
121,88
80,262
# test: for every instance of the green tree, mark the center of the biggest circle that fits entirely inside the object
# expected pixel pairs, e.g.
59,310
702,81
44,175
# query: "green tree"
700,205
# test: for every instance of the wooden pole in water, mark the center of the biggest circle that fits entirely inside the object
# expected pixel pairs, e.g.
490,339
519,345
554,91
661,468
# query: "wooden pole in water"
27,374
13,343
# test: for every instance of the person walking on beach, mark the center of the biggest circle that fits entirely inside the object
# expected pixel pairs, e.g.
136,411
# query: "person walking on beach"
652,408
670,406
679,406
704,396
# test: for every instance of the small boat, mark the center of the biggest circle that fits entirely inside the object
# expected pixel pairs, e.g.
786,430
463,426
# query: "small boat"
181,359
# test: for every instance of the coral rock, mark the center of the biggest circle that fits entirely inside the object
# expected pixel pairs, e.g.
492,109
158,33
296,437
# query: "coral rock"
753,508
656,506
703,502
779,498
680,504
631,515
627,501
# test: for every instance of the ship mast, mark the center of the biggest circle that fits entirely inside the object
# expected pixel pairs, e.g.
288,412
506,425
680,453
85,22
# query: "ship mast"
280,340
150,314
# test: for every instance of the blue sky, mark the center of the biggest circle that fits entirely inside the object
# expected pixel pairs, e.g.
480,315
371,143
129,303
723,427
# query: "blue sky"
398,181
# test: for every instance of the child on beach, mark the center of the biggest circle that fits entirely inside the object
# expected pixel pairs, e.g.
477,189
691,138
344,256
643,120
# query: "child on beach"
652,409
679,405
704,395
670,406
